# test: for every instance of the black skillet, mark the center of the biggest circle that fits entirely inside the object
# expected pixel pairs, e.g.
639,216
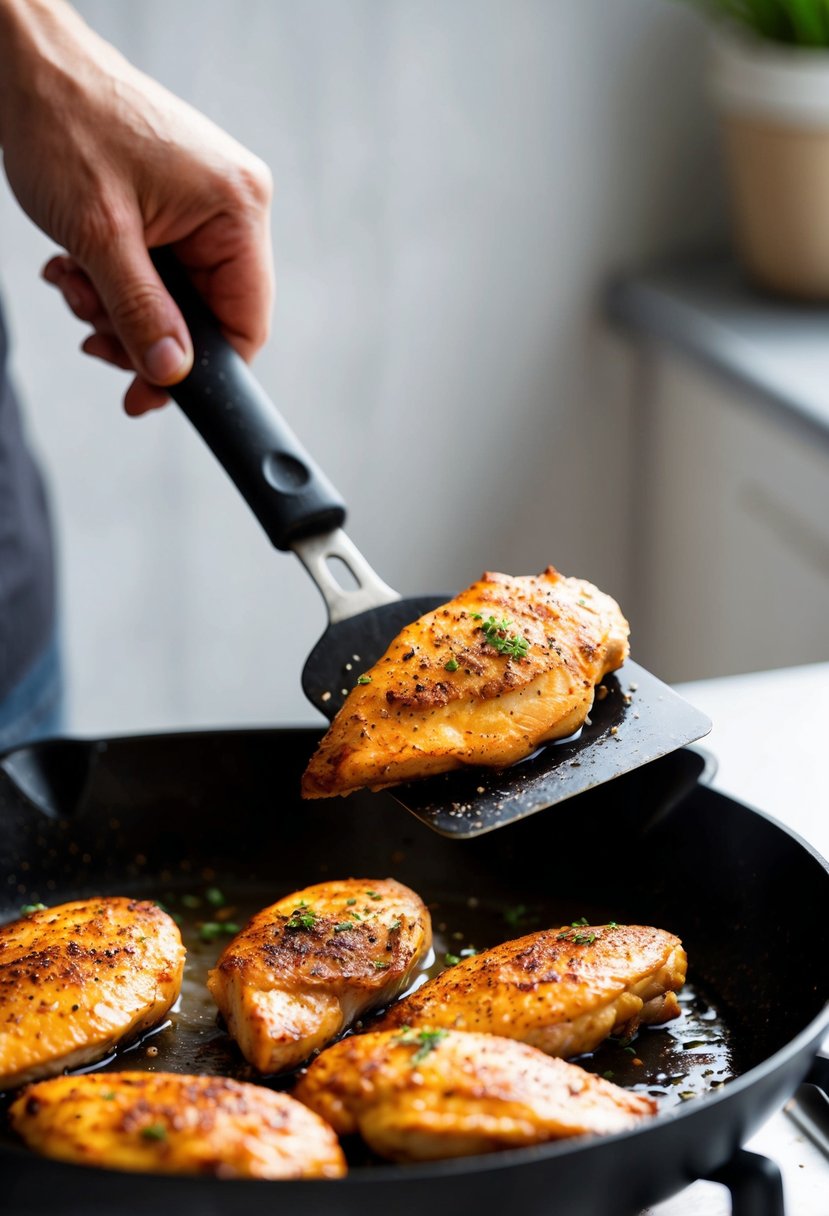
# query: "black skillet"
169,815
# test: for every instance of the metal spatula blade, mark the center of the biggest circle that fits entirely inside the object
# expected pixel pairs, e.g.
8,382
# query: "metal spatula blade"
363,618
637,719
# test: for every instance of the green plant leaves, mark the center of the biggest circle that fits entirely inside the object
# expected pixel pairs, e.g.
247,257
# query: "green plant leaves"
796,22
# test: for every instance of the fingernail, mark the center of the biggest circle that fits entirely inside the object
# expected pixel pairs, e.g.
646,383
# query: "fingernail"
165,360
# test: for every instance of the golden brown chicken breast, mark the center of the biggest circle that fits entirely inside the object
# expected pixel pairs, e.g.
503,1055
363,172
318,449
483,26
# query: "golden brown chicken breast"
78,979
561,990
167,1123
507,665
302,970
417,1095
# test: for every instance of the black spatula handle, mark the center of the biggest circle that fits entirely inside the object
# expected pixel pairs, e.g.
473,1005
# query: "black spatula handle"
227,405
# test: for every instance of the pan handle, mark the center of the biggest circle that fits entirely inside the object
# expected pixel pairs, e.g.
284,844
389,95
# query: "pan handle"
809,1106
755,1183
288,494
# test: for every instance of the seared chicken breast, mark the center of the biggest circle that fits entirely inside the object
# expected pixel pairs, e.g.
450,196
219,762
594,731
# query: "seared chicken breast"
167,1123
302,970
507,665
78,979
561,990
417,1095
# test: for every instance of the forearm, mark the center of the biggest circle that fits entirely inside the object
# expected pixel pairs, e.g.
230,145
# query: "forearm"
35,38
78,121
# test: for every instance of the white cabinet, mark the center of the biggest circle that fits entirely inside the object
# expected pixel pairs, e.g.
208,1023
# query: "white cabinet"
730,536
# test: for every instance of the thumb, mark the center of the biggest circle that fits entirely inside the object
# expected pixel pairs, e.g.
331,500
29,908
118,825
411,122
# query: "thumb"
143,314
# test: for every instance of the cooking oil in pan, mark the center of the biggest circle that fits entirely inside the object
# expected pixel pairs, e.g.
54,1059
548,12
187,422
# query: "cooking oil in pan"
677,1062
683,1059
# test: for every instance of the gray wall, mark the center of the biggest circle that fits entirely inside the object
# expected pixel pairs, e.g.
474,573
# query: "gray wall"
455,179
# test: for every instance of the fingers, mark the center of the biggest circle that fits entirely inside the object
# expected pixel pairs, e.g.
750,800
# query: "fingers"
143,316
84,301
104,346
231,264
137,326
142,397
79,293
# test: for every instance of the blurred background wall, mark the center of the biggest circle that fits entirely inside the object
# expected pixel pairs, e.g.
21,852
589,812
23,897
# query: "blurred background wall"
455,179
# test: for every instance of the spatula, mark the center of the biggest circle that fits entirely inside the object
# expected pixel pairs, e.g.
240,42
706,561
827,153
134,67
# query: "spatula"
635,719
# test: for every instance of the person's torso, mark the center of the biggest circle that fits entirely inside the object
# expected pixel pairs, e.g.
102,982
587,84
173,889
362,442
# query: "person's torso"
26,562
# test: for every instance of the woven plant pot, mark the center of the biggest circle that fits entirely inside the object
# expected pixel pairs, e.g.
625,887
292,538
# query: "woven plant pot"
774,106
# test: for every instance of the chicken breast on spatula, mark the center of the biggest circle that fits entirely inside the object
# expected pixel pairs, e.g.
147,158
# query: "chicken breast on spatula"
509,664
419,1095
80,978
305,968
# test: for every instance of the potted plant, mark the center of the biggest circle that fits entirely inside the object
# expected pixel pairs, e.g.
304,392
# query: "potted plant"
770,80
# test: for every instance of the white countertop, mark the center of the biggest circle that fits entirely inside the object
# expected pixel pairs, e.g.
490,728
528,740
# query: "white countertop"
788,779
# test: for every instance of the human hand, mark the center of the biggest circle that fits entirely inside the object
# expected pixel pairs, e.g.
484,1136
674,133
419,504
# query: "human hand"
110,164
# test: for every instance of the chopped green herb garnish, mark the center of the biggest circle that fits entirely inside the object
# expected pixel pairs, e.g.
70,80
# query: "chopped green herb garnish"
342,926
190,901
214,896
374,895
429,1040
394,927
350,902
302,917
498,636
620,1042
609,1075
573,935
363,679
381,966
28,909
355,915
452,665
426,1040
451,959
154,1131
110,1097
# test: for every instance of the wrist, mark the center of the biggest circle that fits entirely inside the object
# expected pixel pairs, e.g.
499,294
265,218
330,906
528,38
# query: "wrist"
31,33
